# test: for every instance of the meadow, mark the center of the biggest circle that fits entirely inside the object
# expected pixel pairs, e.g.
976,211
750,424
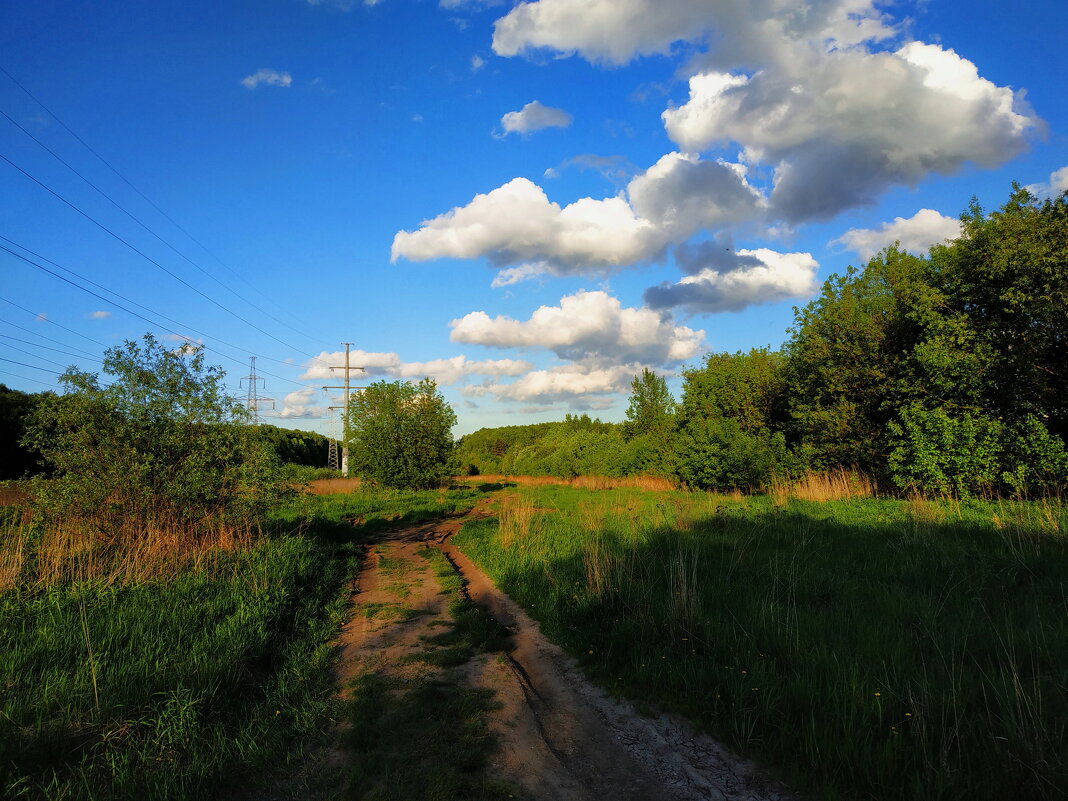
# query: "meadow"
179,672
861,648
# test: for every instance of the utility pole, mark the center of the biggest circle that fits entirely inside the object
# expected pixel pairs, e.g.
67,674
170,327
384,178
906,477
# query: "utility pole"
344,408
253,401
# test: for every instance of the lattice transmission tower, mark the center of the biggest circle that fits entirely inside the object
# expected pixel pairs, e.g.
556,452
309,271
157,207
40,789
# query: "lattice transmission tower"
254,399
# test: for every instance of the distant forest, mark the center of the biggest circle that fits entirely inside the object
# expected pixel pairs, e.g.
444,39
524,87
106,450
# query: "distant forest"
292,447
944,374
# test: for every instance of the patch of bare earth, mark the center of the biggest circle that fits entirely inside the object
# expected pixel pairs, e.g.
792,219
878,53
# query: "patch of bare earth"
559,738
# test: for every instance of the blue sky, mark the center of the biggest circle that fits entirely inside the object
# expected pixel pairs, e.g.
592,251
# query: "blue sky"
529,202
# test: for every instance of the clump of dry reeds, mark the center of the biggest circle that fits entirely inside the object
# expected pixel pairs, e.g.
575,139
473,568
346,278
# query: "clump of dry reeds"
833,485
515,517
47,551
651,483
333,486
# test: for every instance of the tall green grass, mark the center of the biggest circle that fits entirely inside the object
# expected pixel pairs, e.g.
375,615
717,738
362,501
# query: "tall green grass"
869,649
203,680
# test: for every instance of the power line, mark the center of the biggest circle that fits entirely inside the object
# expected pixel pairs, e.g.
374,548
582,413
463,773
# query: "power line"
136,314
34,355
27,378
32,366
152,261
46,347
129,214
41,317
126,181
42,336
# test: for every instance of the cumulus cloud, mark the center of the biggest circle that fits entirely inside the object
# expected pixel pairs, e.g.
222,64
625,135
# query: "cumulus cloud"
732,283
614,32
916,233
99,315
841,127
301,404
444,371
266,77
592,327
517,222
1057,184
579,384
534,117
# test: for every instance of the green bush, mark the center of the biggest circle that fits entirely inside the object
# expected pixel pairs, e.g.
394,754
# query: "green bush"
400,435
938,452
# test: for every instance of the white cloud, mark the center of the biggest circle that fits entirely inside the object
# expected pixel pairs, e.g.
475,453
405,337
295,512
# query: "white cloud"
377,365
267,77
841,127
564,383
300,404
99,315
615,31
477,62
589,326
759,276
1057,184
534,117
417,118
514,275
517,223
916,233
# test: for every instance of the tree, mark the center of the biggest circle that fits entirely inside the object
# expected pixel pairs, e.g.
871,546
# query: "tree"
650,425
161,446
15,408
400,434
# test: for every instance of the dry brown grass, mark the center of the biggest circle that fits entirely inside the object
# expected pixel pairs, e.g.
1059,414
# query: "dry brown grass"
79,550
651,483
515,516
333,486
834,485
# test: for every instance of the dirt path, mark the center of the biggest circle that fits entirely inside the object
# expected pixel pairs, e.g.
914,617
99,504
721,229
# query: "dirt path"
559,738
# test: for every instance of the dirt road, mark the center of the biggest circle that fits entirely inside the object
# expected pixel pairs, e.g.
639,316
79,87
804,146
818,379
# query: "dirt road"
558,737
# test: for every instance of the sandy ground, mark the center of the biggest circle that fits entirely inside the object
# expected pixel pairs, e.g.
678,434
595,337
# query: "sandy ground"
559,737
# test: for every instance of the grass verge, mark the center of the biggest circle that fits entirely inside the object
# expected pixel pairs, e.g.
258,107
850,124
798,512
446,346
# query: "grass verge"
869,649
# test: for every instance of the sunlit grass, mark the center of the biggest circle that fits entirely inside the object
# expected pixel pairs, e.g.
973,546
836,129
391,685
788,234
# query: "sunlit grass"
868,648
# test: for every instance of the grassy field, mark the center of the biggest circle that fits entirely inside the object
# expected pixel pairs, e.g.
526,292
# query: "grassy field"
204,680
864,648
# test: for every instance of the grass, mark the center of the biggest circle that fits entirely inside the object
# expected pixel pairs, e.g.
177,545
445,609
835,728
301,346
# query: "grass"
866,648
199,675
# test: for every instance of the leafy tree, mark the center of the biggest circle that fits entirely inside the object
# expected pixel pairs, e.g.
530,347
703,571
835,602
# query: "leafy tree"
651,409
15,408
650,427
161,445
400,434
746,387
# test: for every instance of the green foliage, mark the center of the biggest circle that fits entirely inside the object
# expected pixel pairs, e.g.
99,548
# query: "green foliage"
717,453
15,460
650,426
400,435
162,443
296,447
745,387
964,454
945,454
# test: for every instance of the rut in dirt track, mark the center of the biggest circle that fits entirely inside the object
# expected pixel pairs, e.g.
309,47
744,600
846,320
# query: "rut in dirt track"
559,738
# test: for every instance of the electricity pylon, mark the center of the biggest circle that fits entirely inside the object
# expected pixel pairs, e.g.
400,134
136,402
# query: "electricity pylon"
344,408
253,401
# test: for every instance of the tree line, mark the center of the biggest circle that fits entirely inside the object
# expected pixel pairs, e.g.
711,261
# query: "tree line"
945,373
